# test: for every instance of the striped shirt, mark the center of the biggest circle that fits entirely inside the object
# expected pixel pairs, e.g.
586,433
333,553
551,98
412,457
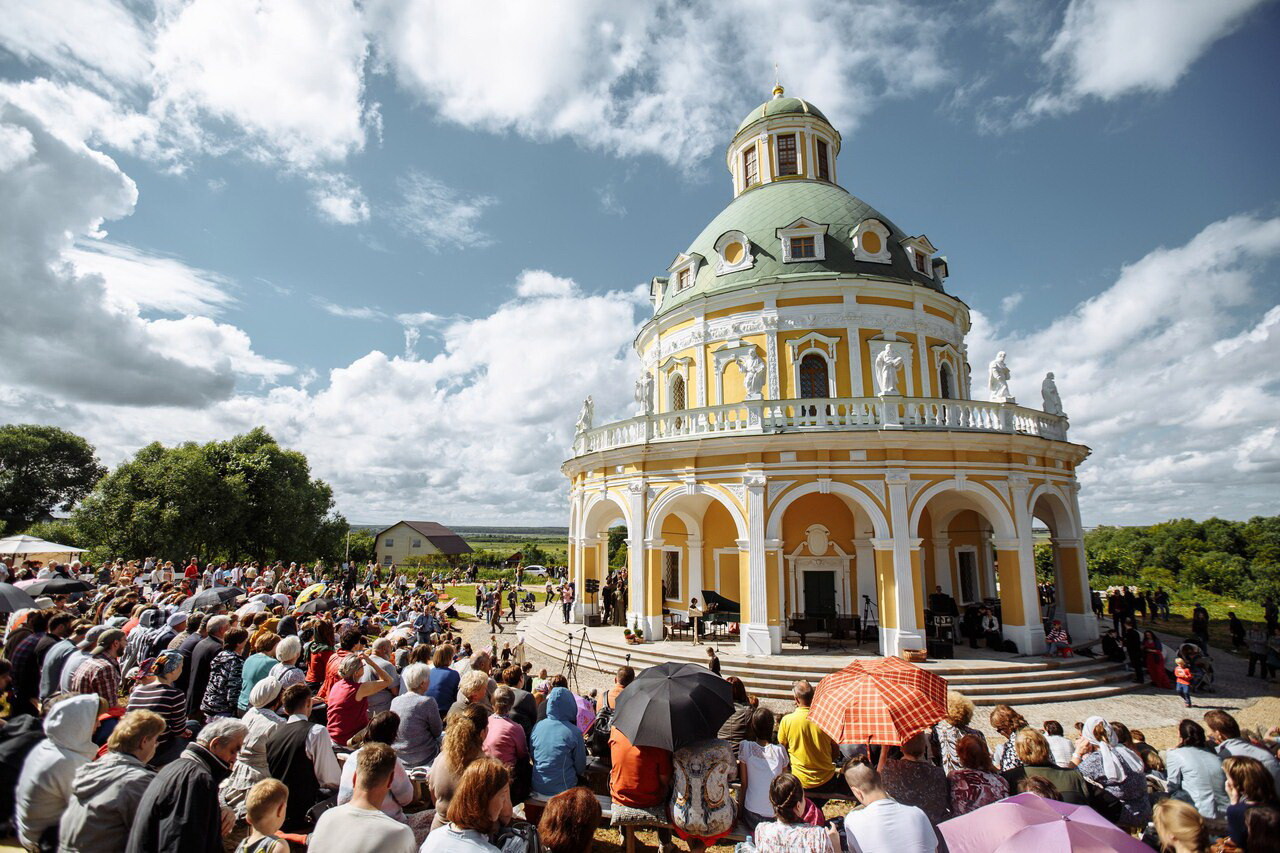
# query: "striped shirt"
167,701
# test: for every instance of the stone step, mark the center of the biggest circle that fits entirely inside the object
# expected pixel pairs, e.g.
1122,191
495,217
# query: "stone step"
1034,681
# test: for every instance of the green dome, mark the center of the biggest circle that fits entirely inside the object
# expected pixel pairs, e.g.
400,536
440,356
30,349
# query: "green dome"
760,212
778,107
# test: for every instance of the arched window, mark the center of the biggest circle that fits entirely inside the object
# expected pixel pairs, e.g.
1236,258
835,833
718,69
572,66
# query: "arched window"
677,393
946,385
678,397
814,383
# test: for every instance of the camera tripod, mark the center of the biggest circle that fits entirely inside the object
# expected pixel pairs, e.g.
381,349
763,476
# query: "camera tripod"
573,656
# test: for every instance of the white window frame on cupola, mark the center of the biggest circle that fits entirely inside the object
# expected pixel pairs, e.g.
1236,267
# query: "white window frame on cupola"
814,342
817,159
685,263
920,247
872,226
745,262
657,287
804,228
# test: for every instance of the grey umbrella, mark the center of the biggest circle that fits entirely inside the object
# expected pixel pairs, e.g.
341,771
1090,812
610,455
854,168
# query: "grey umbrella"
13,599
672,704
211,597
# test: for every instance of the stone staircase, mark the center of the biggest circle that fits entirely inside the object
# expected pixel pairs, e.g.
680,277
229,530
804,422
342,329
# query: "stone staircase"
986,682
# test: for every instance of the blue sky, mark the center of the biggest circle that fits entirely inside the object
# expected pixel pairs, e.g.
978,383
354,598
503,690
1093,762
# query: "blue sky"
407,237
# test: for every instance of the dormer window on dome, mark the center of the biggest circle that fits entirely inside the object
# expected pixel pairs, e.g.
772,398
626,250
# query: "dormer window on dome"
871,242
803,241
920,254
684,270
733,251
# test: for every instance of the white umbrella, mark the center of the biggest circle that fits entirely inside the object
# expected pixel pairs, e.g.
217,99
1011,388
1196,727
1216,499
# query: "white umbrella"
24,544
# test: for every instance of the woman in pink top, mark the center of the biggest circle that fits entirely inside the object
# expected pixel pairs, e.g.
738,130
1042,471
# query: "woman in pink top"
349,697
505,739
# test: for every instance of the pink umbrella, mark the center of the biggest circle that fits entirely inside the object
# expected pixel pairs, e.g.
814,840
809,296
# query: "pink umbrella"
1028,822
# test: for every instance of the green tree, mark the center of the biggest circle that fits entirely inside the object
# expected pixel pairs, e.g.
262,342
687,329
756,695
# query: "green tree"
1043,553
42,469
246,497
617,539
362,544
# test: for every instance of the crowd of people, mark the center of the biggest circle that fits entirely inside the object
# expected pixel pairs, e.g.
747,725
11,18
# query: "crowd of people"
248,723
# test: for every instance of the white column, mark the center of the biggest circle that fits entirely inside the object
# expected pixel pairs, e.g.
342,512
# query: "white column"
694,549
755,637
942,564
773,550
1030,638
908,633
652,622
637,573
866,568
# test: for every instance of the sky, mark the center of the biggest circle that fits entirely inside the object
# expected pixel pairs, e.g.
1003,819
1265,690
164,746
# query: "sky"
408,237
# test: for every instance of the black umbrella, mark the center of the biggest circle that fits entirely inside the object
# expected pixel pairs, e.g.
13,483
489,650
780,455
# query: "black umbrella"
315,605
57,586
211,598
672,704
13,599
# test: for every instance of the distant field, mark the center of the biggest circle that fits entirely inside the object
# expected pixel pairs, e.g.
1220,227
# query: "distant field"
556,545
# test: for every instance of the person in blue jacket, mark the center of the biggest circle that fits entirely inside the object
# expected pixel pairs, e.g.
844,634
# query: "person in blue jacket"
558,751
443,686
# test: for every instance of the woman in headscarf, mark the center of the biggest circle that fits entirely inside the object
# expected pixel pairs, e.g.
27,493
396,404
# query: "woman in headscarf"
251,763
287,671
1116,769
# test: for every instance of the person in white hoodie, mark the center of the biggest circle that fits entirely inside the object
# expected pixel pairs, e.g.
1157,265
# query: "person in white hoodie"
44,786
105,793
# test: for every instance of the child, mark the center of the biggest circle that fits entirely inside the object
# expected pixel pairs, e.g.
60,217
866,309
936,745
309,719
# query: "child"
1182,674
264,808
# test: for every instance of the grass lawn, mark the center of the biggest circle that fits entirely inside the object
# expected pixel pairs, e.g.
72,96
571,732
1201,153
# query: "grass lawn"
1179,623
465,593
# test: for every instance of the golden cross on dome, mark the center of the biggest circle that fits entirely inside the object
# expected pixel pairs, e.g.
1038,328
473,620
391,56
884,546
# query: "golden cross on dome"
777,87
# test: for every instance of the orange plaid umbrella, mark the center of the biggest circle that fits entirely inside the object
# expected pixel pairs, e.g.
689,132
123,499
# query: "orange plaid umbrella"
878,700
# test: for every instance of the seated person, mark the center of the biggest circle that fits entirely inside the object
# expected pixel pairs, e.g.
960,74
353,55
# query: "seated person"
300,754
558,752
810,749
639,781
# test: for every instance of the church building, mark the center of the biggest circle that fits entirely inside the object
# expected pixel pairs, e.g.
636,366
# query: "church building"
808,439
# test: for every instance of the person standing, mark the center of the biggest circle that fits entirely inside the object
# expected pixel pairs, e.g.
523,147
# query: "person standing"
695,620
1133,648
566,601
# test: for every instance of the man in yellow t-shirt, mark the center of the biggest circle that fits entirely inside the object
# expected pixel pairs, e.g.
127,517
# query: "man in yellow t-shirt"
810,748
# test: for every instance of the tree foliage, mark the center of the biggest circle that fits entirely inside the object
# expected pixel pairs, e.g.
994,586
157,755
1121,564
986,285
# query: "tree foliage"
1239,558
242,498
42,469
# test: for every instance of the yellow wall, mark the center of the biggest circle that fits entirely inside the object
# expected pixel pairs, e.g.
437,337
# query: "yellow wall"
787,362
1072,594
719,531
675,534
402,537
1007,571
887,583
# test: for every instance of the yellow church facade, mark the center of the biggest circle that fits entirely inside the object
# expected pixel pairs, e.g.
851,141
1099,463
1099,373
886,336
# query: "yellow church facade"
807,436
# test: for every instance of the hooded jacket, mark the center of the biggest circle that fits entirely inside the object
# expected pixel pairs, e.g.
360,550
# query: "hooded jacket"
104,799
180,811
558,751
44,787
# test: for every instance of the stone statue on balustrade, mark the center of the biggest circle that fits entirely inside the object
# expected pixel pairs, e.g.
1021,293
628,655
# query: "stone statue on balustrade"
644,394
1052,402
752,367
587,414
998,380
887,365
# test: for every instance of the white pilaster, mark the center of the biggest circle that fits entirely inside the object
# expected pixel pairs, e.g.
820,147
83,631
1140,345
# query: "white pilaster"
908,634
637,573
942,564
755,637
1031,639
652,622
693,548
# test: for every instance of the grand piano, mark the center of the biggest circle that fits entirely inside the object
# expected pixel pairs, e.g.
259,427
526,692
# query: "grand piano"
719,612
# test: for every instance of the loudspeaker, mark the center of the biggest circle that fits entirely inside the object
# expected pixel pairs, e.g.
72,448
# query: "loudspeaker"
941,649
592,585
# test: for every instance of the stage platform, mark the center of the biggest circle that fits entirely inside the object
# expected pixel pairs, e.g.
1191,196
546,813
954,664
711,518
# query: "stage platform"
986,677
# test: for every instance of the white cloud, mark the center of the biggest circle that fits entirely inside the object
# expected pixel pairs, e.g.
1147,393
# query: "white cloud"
350,312
1107,49
438,215
101,40
1170,375
476,432
418,318
288,76
1010,302
137,280
652,78
339,199
609,201
76,332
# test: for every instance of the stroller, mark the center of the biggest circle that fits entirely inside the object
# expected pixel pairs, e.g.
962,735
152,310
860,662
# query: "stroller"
529,603
1202,676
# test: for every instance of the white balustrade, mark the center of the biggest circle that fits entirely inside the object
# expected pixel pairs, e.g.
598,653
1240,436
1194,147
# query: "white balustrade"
836,414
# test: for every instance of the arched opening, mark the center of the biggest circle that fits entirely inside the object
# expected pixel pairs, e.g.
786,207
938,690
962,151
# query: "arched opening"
1061,573
946,382
603,550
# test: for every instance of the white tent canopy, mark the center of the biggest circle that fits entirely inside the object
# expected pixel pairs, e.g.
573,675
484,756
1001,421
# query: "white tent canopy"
23,544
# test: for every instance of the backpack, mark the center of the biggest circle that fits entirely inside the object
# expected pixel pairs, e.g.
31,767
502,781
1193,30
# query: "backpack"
597,735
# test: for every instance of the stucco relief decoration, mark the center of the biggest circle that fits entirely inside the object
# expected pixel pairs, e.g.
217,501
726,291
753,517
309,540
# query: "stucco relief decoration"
998,380
816,537
1052,402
